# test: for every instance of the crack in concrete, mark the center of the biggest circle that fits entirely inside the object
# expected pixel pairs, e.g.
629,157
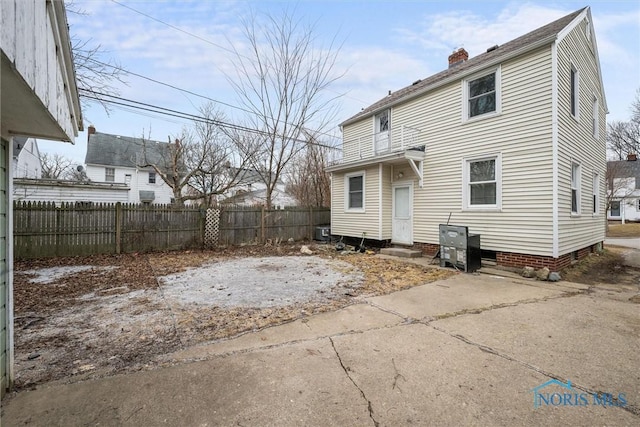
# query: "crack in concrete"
346,371
629,408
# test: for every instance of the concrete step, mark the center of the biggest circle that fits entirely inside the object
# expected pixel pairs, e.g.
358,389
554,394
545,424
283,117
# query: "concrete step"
401,252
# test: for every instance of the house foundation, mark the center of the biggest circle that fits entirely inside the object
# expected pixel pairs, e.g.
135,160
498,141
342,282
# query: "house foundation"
519,260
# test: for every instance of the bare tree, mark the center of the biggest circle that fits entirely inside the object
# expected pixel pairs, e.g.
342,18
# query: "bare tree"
623,138
281,79
308,180
55,166
203,163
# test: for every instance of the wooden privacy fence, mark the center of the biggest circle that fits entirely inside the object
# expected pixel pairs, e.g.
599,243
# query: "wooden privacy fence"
237,225
46,230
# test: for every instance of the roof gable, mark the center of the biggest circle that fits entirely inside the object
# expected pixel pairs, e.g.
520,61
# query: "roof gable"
543,35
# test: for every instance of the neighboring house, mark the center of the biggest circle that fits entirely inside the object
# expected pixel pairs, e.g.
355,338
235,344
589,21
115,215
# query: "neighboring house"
623,188
510,143
119,159
61,191
39,98
26,158
251,190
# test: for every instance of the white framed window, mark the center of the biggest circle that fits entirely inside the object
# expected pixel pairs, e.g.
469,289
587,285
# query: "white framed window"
638,205
596,194
482,181
575,92
382,136
575,189
354,185
482,95
152,177
596,117
109,174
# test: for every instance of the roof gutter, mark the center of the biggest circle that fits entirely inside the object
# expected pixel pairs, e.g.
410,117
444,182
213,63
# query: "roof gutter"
542,42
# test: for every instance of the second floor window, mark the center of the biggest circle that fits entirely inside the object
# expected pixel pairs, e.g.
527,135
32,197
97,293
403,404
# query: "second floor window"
152,177
575,90
109,174
482,95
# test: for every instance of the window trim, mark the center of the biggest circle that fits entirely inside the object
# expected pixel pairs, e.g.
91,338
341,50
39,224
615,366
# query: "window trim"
576,182
347,176
107,174
466,194
574,92
596,117
619,202
596,194
155,177
498,90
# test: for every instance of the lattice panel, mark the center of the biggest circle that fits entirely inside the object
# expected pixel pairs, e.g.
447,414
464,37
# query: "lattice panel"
212,228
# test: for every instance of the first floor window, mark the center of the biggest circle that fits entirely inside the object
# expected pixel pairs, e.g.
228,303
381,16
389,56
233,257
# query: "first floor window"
638,205
575,188
152,177
109,174
615,208
355,191
482,182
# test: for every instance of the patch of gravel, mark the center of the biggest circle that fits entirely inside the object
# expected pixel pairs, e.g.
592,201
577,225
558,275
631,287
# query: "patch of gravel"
259,282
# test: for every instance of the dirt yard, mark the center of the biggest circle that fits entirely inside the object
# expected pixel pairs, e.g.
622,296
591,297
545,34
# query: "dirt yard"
86,317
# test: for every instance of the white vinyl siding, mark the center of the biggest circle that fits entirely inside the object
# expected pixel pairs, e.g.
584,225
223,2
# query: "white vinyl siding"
353,224
138,181
357,140
576,143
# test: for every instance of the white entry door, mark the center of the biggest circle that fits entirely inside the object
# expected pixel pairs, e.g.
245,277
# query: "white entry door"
402,216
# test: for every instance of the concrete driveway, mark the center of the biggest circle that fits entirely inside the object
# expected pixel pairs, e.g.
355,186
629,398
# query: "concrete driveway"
470,350
627,242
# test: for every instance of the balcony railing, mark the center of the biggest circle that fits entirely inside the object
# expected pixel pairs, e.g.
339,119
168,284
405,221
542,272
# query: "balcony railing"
380,143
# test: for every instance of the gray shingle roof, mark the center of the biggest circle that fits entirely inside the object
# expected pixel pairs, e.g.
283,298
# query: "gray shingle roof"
115,150
625,169
549,31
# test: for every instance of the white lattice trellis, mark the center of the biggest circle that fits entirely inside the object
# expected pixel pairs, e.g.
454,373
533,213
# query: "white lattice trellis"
212,228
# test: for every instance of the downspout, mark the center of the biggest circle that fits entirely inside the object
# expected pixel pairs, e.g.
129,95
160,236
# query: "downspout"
380,201
554,150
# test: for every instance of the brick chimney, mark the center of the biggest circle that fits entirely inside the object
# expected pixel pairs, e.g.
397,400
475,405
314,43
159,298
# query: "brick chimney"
458,57
90,131
632,157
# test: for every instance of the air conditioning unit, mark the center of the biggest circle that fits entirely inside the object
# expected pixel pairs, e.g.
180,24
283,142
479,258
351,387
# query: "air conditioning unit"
459,249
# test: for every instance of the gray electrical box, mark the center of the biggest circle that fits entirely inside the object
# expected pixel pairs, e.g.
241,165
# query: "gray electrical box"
459,248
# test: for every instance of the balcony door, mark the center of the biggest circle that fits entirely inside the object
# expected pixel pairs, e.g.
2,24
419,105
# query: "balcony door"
382,133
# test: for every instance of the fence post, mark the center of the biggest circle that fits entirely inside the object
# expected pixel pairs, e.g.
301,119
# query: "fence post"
311,236
118,227
262,220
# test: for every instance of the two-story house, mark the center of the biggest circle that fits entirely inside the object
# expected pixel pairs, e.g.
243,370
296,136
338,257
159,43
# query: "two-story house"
122,160
510,143
249,189
623,189
39,98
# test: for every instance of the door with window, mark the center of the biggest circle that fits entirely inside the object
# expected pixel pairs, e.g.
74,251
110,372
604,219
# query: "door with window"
382,135
402,215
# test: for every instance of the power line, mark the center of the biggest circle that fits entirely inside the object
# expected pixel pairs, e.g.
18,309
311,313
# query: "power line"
233,51
129,103
86,58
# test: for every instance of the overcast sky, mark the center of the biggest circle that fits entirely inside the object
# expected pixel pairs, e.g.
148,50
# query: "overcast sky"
385,45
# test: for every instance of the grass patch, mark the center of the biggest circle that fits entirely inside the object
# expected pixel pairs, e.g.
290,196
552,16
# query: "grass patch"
605,267
631,229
